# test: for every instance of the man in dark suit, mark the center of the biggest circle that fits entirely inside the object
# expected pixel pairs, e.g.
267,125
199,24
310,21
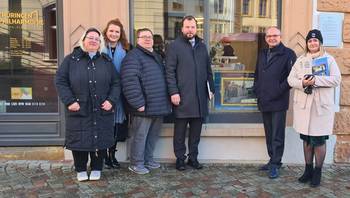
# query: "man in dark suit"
272,90
188,71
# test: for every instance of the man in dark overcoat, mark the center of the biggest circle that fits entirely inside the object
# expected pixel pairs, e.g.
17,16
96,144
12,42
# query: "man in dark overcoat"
272,90
190,85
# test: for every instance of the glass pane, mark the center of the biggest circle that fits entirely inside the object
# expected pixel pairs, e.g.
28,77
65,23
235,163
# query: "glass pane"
28,54
236,36
164,17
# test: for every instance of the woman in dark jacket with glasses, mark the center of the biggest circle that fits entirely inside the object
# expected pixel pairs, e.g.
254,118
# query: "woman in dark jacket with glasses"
88,85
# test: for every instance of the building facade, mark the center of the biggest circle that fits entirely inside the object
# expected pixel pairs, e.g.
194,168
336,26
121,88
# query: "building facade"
37,34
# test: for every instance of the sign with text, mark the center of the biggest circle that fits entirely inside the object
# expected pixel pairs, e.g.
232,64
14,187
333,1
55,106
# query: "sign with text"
28,57
330,24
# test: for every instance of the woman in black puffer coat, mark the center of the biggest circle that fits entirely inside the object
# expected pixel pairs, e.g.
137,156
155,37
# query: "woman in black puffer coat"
88,85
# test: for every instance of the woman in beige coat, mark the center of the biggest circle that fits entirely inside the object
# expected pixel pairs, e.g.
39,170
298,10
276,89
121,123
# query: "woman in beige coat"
314,76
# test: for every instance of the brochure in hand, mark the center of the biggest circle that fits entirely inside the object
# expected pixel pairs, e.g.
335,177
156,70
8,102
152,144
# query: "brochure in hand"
320,67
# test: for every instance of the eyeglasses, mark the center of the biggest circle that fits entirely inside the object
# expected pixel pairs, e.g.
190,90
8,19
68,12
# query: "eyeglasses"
274,35
94,38
146,37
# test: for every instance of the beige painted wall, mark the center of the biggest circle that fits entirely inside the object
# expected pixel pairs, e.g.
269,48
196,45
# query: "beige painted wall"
296,22
78,15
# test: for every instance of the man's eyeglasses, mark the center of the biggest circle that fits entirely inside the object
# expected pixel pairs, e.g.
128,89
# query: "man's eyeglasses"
146,37
274,35
94,38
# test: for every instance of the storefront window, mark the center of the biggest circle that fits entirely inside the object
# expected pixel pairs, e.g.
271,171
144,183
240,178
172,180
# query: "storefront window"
234,37
28,52
234,52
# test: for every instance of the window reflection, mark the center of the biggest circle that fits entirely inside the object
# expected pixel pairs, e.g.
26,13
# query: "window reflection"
28,56
164,16
262,8
235,39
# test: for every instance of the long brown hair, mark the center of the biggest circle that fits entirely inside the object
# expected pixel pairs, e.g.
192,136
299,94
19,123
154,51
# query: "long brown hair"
122,38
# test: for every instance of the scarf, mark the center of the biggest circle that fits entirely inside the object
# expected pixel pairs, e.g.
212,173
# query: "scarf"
119,54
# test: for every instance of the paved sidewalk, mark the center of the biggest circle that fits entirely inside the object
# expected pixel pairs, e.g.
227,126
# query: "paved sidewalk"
58,179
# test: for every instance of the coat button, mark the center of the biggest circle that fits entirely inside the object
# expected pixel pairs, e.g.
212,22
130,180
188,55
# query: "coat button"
95,81
90,81
95,136
94,123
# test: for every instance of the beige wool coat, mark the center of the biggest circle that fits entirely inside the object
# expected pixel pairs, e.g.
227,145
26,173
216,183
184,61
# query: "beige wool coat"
314,113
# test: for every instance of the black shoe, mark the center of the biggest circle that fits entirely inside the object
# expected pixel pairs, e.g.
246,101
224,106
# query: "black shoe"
307,176
316,177
195,164
265,167
180,165
273,173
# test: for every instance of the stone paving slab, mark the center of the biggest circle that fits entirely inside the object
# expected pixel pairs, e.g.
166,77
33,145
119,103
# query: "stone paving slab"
58,179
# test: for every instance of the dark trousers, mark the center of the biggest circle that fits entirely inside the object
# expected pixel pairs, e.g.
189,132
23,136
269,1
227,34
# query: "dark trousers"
81,160
274,125
180,136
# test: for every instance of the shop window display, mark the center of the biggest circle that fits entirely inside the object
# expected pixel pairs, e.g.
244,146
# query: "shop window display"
234,36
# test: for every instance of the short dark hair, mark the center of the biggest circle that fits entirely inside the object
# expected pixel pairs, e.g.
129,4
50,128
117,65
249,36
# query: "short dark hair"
189,18
143,30
92,29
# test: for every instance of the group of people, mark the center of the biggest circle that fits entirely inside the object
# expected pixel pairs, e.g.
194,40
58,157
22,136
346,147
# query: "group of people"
111,91
278,70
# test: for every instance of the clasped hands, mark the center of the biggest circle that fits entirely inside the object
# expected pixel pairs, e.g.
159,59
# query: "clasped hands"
106,105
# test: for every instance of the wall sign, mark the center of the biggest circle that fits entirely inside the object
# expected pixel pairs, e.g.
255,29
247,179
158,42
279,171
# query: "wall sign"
331,26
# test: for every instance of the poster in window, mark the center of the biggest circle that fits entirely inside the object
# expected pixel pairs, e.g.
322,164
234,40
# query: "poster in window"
236,92
28,57
21,93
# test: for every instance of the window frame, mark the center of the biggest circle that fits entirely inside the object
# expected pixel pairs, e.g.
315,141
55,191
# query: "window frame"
249,7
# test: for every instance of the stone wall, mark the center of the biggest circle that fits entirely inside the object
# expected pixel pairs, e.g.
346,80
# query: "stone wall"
342,56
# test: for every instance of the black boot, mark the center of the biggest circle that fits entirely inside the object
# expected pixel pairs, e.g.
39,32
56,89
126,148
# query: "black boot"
307,176
108,160
316,177
113,159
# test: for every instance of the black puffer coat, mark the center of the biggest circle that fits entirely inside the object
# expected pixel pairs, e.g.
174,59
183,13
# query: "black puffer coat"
188,71
89,82
143,82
